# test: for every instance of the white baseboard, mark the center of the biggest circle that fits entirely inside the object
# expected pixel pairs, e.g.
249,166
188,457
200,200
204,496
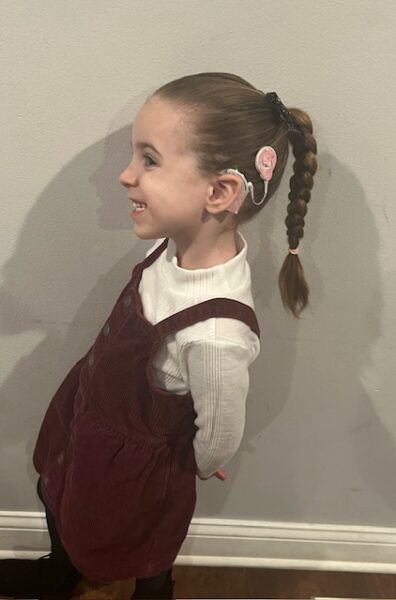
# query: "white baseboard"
237,543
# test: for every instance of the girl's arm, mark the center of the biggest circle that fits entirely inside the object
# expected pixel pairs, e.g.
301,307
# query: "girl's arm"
218,378
220,474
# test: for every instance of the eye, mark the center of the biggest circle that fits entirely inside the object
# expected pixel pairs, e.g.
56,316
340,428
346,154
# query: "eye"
151,161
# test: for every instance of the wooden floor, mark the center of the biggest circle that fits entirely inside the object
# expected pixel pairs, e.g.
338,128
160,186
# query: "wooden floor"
270,583
205,582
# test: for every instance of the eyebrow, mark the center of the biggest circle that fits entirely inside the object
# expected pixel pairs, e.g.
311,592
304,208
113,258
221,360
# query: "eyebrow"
142,145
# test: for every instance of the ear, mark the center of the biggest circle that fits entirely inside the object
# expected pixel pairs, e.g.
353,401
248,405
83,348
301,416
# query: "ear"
227,192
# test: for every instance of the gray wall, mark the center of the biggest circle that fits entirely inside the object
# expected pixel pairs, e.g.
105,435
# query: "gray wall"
319,444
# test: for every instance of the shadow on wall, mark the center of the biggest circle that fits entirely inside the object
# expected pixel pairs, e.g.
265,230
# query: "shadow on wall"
315,457
68,249
67,252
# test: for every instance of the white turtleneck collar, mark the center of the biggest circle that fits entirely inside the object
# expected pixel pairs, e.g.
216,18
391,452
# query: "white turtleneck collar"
226,276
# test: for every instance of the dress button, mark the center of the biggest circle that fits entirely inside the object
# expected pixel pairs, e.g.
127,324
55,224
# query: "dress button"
127,300
46,480
91,360
106,329
60,459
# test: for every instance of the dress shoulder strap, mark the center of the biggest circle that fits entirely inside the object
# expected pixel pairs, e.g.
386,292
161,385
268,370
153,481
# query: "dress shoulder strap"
216,307
139,268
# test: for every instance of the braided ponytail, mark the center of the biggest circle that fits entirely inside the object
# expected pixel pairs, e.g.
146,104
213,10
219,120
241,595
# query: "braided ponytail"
292,284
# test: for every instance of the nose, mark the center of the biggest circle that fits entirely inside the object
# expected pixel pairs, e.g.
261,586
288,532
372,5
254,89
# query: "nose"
128,177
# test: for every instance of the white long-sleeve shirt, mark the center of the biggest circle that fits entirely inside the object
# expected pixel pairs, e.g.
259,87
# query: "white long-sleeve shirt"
210,358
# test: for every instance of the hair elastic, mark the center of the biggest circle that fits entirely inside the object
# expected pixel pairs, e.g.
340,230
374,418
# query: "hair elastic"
293,251
280,112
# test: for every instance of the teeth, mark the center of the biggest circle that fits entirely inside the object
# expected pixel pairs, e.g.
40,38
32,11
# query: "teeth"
138,206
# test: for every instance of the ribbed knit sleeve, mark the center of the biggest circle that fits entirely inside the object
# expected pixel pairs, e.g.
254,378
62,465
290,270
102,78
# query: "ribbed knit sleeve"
218,378
211,358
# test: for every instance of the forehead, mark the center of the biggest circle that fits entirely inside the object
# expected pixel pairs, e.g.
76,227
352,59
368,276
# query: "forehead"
162,125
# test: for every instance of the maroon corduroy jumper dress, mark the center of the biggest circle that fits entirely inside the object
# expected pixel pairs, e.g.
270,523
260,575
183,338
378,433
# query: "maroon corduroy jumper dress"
115,452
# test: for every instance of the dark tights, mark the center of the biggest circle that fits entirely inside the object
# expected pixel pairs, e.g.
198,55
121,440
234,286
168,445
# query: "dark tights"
59,554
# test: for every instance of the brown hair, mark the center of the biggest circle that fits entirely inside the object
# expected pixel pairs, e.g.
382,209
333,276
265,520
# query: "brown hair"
231,121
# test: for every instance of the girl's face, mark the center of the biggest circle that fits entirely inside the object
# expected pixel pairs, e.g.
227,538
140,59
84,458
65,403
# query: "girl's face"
163,175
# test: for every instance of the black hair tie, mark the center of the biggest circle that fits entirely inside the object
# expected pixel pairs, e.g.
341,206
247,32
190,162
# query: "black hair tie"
280,112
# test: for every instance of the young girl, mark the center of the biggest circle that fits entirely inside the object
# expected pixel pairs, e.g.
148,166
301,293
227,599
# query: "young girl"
160,396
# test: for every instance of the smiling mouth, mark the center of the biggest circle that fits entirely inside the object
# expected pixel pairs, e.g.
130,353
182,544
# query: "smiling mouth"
139,206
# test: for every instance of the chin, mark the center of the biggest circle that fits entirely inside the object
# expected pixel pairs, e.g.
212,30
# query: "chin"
148,236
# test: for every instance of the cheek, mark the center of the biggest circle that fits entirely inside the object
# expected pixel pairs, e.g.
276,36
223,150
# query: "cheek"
166,188
150,184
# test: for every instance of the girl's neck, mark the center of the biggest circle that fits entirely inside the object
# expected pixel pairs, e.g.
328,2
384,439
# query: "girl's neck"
207,253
